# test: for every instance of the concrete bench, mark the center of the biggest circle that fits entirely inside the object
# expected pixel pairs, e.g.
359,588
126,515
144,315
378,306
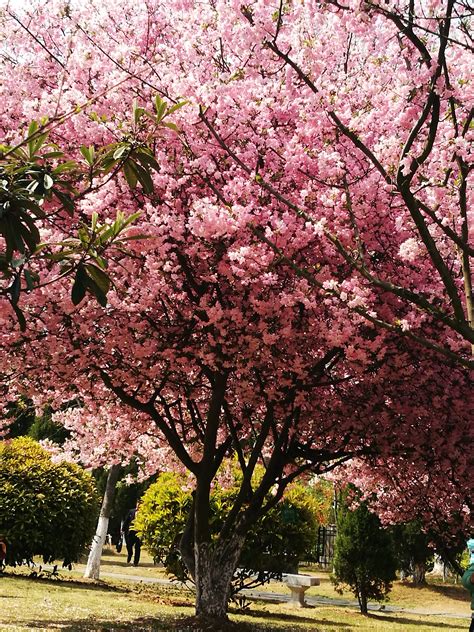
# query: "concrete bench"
298,585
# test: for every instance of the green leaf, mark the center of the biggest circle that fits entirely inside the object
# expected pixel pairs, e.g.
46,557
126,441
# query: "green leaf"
135,237
33,128
99,277
137,112
66,201
14,289
130,173
37,143
146,159
48,181
29,234
94,219
69,165
79,287
88,153
119,152
123,221
16,230
31,278
83,235
52,154
161,107
144,178
33,207
20,316
175,107
172,126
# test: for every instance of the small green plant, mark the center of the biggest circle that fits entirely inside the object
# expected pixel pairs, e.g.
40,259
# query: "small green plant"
364,559
46,509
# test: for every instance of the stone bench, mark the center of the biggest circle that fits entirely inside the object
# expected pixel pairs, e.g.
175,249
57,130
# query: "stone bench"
298,585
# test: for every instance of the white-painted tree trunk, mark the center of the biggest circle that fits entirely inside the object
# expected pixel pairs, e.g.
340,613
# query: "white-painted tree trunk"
439,568
93,562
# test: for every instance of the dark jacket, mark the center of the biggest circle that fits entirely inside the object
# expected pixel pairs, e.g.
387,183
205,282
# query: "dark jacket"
129,518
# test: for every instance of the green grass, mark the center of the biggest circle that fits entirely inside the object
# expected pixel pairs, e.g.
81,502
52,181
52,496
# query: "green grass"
75,605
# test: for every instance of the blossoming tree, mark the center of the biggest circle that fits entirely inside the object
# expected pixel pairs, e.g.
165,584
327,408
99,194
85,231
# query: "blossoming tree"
302,271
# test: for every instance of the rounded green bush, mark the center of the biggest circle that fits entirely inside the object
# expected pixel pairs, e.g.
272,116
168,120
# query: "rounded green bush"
276,543
47,509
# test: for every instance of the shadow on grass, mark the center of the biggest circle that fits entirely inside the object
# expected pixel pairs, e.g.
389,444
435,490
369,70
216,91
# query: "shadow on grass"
453,592
279,623
115,561
399,623
88,625
287,617
67,582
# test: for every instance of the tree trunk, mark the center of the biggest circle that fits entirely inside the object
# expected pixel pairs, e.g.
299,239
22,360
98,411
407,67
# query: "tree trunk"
419,573
93,562
215,565
362,598
439,568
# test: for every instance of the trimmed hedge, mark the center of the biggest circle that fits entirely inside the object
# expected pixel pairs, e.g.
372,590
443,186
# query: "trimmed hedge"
46,509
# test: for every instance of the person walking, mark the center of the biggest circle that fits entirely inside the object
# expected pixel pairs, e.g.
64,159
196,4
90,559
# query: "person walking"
468,579
132,541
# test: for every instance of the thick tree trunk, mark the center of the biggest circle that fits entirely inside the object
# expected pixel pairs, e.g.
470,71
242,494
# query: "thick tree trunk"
93,563
214,568
419,573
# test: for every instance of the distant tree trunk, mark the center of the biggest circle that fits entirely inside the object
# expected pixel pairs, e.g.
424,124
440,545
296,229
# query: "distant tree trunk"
93,563
362,598
439,568
419,573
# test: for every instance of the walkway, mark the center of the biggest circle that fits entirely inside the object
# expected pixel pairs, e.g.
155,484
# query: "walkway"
310,600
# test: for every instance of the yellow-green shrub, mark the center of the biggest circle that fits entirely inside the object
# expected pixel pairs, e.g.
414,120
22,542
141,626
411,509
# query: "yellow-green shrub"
286,534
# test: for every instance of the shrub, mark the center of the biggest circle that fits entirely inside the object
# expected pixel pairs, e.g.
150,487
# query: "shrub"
276,543
363,557
47,509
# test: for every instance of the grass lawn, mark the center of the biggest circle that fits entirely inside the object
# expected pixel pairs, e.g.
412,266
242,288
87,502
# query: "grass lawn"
73,604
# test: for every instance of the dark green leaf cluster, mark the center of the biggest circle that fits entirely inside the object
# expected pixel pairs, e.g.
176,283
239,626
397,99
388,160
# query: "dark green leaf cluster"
31,175
46,509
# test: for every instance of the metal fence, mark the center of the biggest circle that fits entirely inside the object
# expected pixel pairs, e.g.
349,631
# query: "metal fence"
323,553
325,546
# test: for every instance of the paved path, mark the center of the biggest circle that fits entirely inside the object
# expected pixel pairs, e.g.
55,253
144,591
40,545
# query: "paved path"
310,600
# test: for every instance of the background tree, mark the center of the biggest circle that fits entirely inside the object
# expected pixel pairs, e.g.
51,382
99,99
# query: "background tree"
412,549
118,496
47,509
93,561
400,491
22,420
364,558
20,416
